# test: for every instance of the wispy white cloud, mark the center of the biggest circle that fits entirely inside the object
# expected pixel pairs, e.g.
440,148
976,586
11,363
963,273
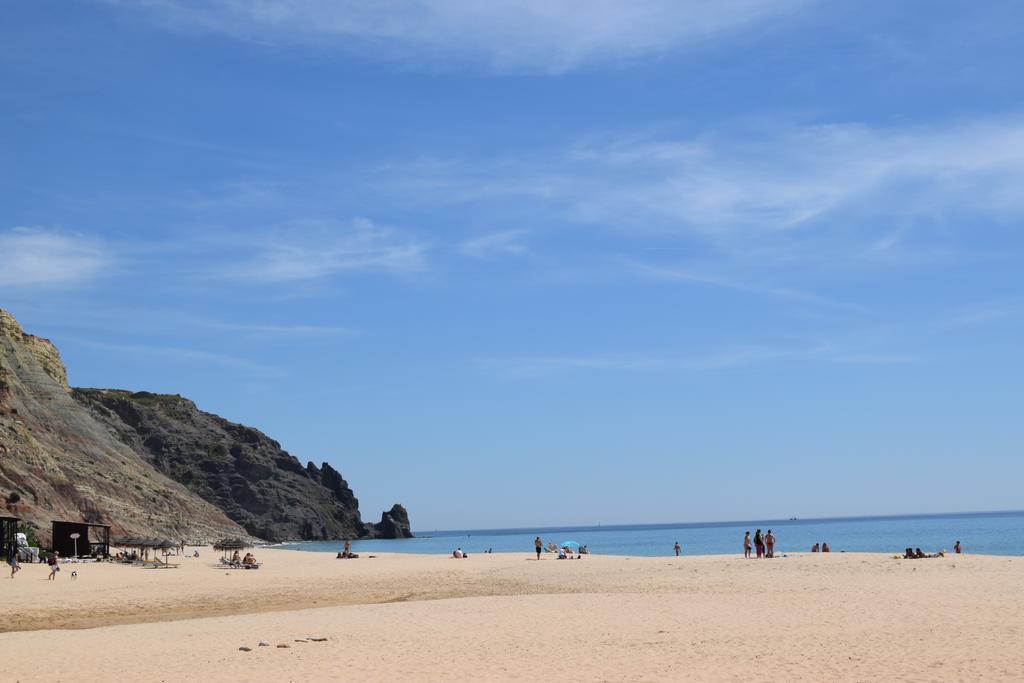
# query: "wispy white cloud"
156,320
184,354
503,35
314,250
747,188
877,359
683,274
983,314
884,345
234,195
494,244
258,330
793,178
40,258
531,367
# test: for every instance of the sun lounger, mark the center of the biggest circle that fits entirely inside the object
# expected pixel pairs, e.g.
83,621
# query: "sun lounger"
155,564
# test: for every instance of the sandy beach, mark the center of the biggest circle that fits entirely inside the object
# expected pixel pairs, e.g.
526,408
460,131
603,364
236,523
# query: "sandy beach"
841,616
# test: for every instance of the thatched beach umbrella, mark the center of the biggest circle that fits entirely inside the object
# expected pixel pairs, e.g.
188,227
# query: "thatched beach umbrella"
138,543
227,544
163,545
128,541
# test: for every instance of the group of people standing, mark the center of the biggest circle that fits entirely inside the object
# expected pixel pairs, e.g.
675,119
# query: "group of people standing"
764,544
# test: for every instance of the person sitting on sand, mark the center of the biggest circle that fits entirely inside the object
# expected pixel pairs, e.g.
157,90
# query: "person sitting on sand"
814,548
956,548
824,547
584,551
908,554
918,554
249,560
562,555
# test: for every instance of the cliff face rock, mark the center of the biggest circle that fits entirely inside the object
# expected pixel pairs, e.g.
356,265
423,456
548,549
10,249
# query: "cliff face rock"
240,470
58,462
155,465
42,349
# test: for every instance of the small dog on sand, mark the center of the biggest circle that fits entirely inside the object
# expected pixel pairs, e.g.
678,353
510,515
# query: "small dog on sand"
74,574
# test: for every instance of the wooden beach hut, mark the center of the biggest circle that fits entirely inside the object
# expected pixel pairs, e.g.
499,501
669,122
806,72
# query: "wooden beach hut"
8,541
65,543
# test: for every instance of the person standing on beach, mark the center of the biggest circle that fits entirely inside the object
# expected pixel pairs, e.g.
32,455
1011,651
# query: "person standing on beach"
956,549
769,544
15,567
537,545
746,546
678,548
759,544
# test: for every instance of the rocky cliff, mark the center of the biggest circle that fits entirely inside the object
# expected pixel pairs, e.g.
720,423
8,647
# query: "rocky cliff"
240,470
155,464
58,462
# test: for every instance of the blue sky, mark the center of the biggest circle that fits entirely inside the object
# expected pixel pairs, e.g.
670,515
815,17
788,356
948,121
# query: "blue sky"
541,263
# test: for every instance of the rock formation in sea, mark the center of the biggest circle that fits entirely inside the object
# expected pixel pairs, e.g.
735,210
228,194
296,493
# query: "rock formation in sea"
154,464
394,523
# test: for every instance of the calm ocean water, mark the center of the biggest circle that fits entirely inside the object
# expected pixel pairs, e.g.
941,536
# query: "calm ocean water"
993,533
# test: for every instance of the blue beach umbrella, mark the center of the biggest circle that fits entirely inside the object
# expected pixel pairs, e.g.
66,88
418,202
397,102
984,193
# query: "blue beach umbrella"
572,545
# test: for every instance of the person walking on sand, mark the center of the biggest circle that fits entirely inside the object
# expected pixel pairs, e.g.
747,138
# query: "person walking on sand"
746,546
678,548
53,560
759,544
769,544
538,546
13,561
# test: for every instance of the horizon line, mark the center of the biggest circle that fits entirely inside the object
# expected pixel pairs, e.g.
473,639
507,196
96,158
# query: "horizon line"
741,522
